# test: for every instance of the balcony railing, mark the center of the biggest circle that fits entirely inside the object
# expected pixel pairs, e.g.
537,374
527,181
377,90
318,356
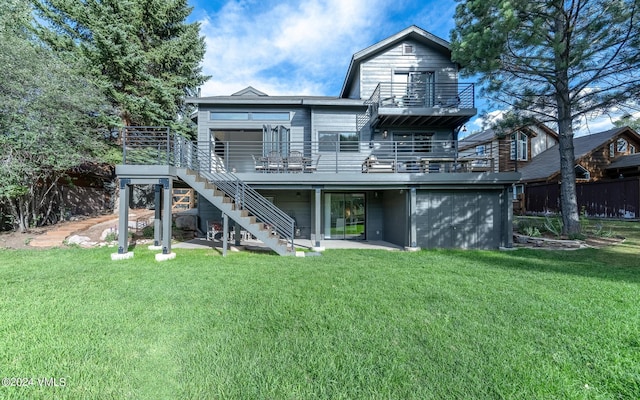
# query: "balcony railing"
423,95
334,157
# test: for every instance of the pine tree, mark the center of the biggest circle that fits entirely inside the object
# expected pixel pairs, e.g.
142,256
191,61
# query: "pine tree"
557,61
142,53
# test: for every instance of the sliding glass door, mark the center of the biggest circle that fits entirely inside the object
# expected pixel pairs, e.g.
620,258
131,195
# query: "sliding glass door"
344,216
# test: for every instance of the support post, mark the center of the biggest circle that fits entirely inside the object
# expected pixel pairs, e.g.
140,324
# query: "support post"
157,220
225,234
123,223
507,218
166,216
317,212
413,231
167,199
236,234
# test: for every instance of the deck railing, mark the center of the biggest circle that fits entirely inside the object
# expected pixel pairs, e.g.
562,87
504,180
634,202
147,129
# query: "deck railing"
338,157
423,95
327,156
158,146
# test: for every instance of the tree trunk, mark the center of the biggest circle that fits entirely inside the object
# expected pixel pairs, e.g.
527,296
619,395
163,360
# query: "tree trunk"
568,197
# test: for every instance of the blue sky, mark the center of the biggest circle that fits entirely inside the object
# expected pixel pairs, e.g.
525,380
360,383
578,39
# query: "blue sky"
292,47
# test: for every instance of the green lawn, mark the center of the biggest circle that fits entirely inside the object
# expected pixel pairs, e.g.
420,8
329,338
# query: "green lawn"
527,324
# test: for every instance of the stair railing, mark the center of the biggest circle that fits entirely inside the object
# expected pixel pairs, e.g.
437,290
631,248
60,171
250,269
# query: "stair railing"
197,158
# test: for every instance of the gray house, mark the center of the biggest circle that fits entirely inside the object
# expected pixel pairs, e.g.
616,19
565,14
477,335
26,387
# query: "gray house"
377,162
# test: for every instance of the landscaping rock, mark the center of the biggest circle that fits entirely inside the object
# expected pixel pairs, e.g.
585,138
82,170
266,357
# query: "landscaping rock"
186,222
77,239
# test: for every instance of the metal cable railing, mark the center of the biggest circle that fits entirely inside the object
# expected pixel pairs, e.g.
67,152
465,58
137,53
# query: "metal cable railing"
158,146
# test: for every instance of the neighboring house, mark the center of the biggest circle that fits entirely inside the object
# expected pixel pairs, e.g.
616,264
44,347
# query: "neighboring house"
507,151
377,162
499,151
607,168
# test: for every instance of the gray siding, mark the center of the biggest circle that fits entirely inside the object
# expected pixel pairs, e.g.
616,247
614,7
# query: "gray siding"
333,121
297,204
375,216
207,212
381,68
459,219
396,217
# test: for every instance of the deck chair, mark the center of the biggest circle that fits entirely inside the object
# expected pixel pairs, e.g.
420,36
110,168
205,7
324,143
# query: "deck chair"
295,162
312,166
259,163
214,230
274,162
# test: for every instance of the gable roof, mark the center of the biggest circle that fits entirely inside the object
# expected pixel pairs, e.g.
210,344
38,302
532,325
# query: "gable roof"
476,138
547,164
249,91
412,32
628,161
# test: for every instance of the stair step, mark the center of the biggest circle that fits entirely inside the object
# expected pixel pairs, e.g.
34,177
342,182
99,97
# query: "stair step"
242,216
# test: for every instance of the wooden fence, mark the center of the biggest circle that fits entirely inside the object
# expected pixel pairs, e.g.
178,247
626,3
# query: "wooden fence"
618,198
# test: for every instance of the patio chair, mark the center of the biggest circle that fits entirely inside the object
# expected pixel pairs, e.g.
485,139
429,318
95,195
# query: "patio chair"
274,162
294,162
259,163
311,166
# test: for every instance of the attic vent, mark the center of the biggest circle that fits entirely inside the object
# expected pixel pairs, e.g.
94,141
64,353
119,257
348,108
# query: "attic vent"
408,49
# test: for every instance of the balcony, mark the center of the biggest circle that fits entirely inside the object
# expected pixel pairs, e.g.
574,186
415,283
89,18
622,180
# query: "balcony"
325,157
411,104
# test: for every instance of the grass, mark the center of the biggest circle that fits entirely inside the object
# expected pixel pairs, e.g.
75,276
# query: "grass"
351,324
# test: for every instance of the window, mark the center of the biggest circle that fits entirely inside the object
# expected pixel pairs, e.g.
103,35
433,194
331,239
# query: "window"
338,141
480,150
413,88
270,116
632,149
414,142
236,116
581,173
519,146
517,190
621,146
247,116
612,149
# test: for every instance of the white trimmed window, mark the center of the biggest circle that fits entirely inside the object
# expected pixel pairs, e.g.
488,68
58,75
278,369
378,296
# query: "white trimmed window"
621,145
519,146
581,173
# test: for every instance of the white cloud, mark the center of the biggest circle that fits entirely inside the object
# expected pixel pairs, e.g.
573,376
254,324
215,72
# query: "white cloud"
485,121
288,47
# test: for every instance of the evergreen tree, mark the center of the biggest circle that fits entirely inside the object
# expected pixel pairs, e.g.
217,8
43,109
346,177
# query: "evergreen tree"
556,60
144,55
49,120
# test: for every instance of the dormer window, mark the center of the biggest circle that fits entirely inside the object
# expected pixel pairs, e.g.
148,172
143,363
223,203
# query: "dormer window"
519,146
408,49
581,173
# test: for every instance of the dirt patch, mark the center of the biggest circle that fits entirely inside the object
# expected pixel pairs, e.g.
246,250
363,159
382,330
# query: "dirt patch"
91,227
17,240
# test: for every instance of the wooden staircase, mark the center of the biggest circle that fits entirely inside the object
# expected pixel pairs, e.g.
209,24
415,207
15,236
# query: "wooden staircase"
264,232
